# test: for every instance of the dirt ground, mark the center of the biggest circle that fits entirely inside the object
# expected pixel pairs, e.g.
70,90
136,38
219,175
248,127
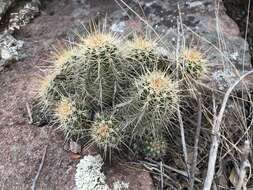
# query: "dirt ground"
22,145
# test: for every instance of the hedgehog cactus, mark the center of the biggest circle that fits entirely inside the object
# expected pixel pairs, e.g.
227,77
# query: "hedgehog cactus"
155,148
54,84
105,133
52,87
61,58
141,56
71,116
193,63
150,146
102,66
98,76
155,98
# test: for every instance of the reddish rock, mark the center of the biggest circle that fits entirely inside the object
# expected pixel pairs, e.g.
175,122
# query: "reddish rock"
137,178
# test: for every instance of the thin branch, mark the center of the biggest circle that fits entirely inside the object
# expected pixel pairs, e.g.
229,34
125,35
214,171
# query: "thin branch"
161,174
29,113
196,142
154,166
183,140
246,34
40,168
216,134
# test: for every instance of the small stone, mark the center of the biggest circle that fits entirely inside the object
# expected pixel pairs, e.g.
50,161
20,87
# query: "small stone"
118,27
195,4
10,49
75,147
5,54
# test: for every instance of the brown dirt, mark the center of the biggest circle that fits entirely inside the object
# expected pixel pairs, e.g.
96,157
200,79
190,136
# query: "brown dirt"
21,144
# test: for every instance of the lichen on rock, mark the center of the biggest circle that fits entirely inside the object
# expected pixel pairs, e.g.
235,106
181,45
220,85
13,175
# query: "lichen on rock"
88,174
10,49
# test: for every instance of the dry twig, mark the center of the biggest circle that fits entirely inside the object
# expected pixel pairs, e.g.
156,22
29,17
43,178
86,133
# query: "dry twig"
216,134
29,113
196,142
183,140
40,168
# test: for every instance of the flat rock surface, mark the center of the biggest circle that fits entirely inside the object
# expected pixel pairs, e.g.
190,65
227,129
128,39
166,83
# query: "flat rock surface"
21,144
214,34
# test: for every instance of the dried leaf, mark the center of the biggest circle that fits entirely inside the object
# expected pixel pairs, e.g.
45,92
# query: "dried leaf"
74,156
233,177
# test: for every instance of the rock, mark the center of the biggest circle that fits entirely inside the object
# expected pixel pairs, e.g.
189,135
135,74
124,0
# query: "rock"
118,27
5,54
10,49
135,178
4,6
22,17
89,174
222,45
74,147
195,4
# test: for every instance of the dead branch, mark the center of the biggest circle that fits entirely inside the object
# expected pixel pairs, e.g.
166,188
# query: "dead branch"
39,170
183,140
29,113
196,142
216,134
154,166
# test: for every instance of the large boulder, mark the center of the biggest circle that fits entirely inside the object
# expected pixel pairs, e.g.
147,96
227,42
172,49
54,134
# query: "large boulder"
215,34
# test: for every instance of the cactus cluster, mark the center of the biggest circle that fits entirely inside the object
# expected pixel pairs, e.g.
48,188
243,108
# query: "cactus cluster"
112,92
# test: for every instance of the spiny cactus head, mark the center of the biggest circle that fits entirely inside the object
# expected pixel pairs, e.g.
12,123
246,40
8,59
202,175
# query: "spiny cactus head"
154,100
158,88
140,53
61,57
64,110
102,66
150,146
140,43
194,63
155,148
105,134
72,116
99,39
141,50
